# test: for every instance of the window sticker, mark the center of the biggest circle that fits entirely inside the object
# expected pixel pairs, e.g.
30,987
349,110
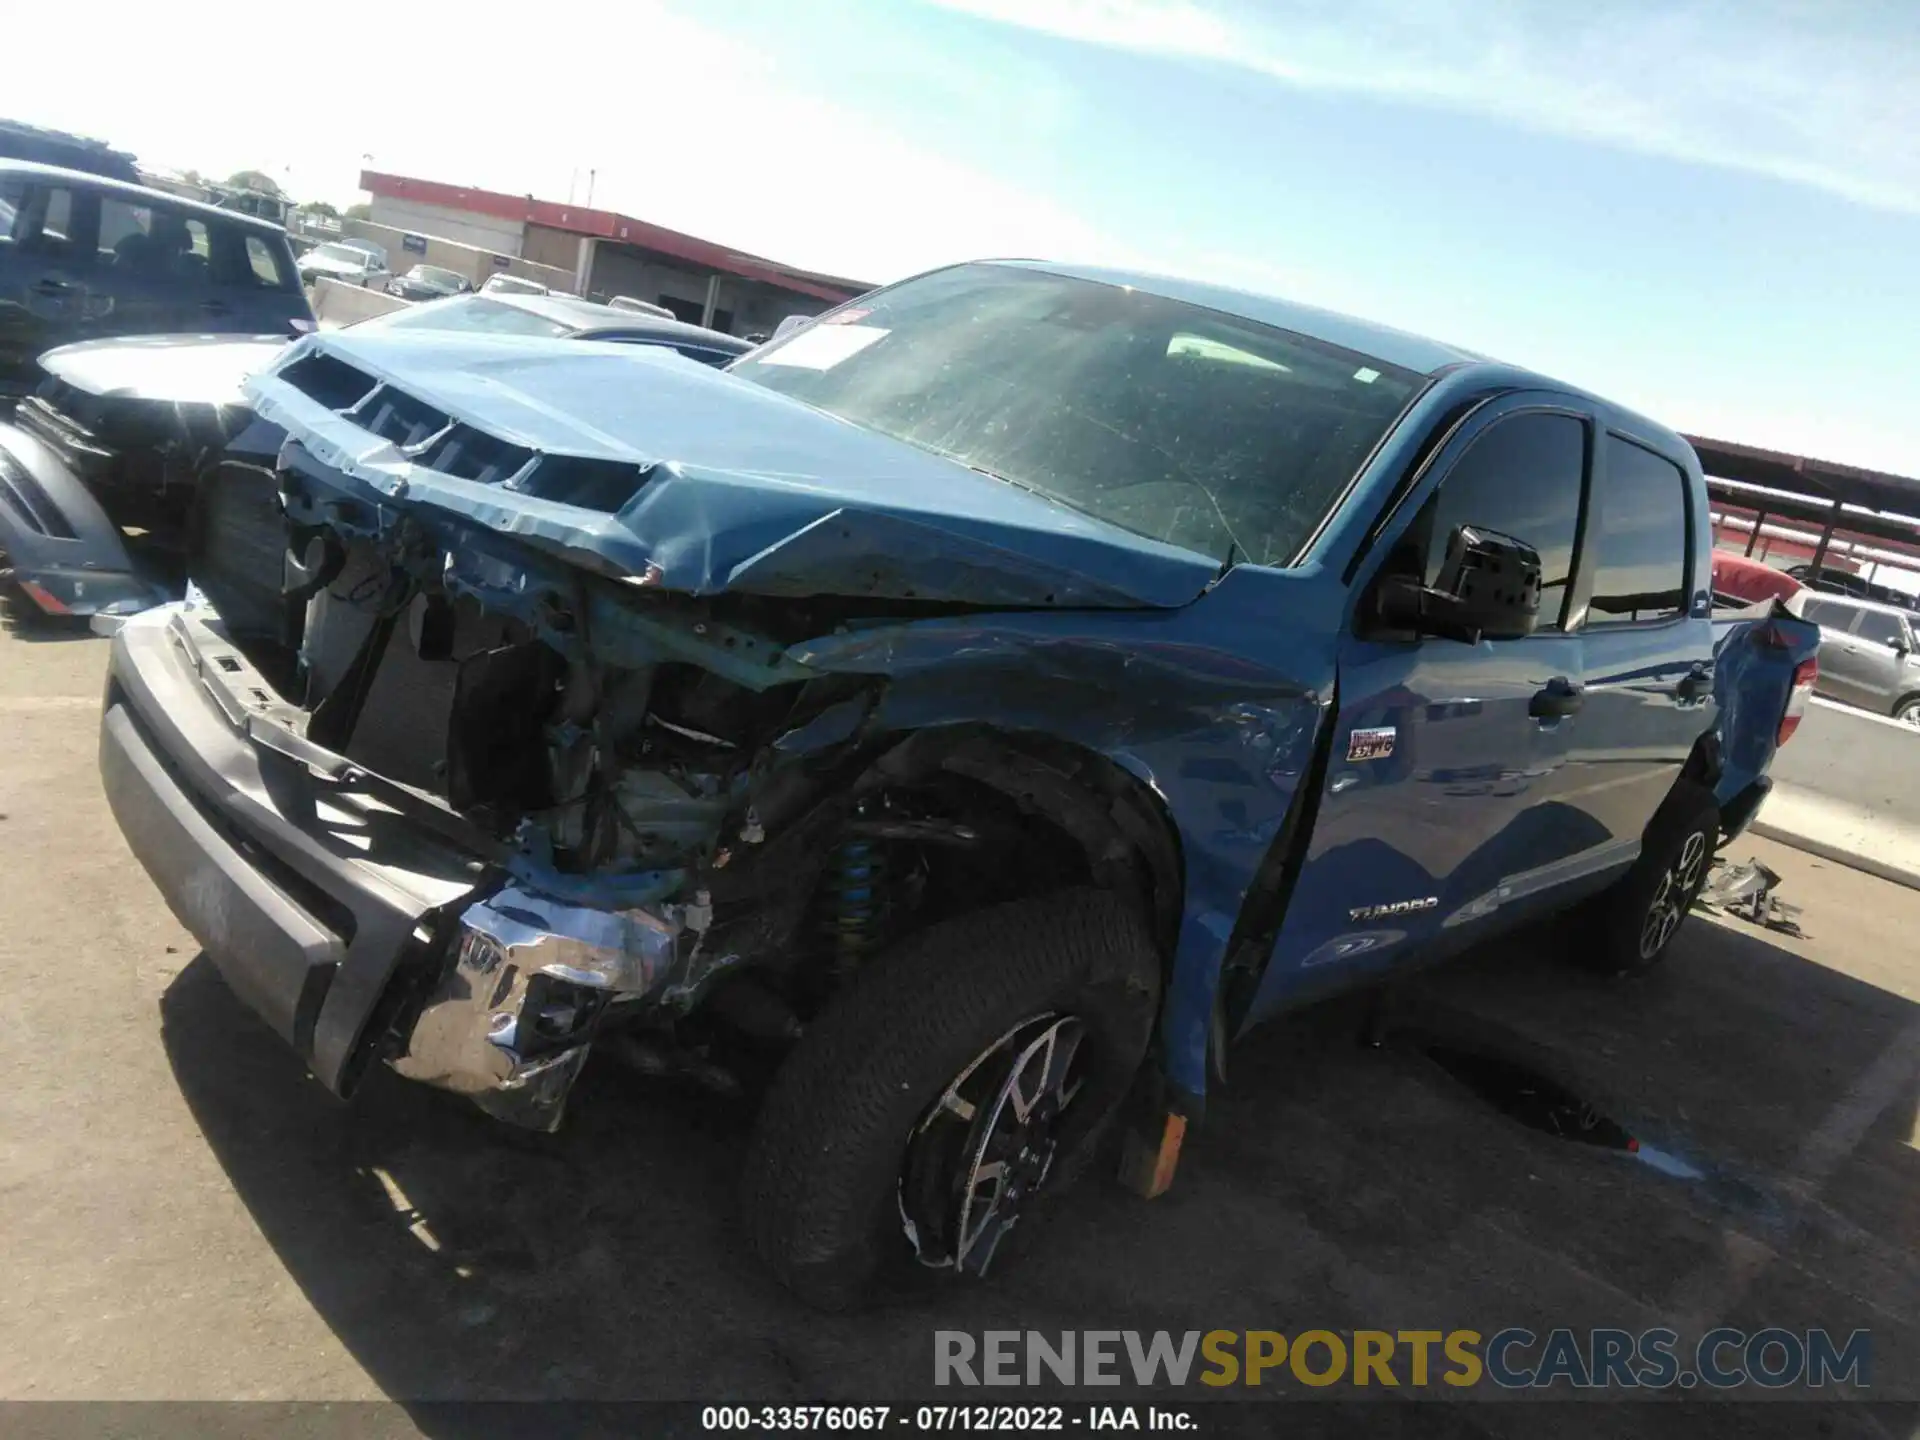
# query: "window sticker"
821,347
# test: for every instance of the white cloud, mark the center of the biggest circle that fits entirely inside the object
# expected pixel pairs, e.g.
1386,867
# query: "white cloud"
707,133
1824,94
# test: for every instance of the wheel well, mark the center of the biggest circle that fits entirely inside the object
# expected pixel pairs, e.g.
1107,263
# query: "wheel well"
1703,764
1907,699
1103,814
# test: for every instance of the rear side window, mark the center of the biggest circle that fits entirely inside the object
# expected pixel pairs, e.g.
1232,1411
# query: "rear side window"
1881,628
244,260
265,263
1827,615
1522,478
1640,545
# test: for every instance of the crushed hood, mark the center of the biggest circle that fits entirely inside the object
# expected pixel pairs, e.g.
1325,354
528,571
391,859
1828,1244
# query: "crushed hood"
701,482
177,369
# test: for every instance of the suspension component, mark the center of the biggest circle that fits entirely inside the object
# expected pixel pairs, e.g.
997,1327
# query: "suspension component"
851,906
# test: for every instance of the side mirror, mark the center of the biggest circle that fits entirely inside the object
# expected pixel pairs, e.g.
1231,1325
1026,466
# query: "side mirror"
1489,585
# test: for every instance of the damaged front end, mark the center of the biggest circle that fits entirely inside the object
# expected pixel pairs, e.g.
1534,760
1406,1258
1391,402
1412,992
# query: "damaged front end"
679,835
508,1022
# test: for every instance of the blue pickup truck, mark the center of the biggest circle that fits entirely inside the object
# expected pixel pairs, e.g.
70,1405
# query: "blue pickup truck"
952,724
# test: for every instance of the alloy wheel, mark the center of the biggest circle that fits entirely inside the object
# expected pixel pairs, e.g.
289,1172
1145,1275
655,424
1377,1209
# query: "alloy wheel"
985,1148
1673,895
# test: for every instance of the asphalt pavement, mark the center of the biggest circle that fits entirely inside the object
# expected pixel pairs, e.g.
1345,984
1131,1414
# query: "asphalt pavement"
187,1216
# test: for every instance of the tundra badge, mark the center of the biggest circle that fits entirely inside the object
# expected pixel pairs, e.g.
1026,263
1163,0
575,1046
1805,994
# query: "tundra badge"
1370,744
1397,907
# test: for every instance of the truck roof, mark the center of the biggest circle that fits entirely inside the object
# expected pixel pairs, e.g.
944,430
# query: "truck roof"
1397,347
135,194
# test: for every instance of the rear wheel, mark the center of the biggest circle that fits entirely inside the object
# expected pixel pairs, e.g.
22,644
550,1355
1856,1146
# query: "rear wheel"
1907,710
949,1093
1629,928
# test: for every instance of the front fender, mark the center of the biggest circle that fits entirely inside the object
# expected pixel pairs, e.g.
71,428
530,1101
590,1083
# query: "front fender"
59,543
1213,707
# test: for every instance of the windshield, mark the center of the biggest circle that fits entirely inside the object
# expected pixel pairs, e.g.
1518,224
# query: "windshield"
433,275
346,254
1170,420
471,313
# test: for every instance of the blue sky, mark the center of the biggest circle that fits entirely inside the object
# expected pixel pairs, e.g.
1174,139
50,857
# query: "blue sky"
1709,209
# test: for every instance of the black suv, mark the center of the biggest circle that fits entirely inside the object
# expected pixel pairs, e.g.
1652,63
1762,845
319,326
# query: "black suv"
83,257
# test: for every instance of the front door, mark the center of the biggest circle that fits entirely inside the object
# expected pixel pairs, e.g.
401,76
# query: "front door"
1444,812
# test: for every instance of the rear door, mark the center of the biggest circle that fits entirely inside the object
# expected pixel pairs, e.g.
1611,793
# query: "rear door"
1444,813
1645,615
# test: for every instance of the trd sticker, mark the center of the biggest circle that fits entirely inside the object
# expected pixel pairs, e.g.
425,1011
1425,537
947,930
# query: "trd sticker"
1372,744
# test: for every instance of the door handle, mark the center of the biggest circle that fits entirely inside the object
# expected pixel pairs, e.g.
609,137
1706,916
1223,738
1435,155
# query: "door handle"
214,307
1560,698
1696,685
52,287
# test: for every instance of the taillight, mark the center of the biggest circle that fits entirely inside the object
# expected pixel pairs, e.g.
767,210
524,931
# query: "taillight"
43,597
1804,674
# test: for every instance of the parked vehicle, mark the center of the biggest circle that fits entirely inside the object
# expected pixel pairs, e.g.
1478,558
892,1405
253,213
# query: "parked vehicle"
642,307
1833,581
1868,655
502,283
350,262
70,152
960,717
86,257
126,483
428,282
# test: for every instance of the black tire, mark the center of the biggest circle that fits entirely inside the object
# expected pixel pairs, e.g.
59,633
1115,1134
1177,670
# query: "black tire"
821,1189
1907,710
1621,933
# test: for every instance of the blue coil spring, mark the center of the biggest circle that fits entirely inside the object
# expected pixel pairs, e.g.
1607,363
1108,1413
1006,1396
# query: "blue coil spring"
852,900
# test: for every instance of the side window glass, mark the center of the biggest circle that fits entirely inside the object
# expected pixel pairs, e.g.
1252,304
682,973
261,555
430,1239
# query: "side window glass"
1521,478
264,264
1827,615
50,222
124,228
13,197
241,260
1881,628
1640,544
56,218
151,243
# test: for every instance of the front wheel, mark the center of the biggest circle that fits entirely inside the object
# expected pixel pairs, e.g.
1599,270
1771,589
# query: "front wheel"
1907,711
1631,925
954,1087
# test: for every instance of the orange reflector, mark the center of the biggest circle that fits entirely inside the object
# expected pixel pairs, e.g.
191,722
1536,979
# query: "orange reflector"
1148,1160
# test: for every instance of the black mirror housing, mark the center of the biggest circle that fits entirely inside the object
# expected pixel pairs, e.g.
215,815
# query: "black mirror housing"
1488,586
